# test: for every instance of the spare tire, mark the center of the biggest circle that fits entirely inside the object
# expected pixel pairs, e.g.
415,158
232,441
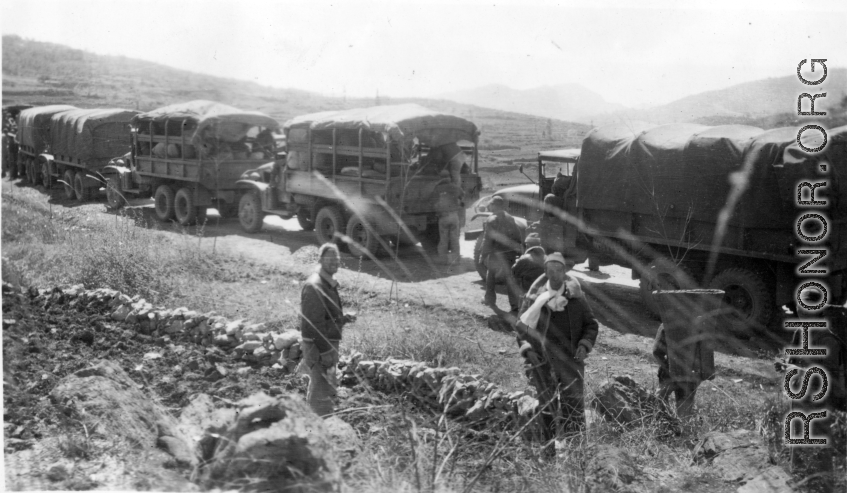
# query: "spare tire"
663,274
748,298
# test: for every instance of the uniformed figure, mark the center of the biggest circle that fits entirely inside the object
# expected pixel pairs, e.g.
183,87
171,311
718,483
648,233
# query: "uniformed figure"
684,391
321,322
501,245
528,268
818,459
448,205
557,328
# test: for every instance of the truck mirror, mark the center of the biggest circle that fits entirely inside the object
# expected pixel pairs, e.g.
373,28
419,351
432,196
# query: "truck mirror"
520,168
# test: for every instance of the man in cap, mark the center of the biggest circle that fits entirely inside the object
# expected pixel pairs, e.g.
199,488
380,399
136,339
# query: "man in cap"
557,324
321,321
529,267
502,243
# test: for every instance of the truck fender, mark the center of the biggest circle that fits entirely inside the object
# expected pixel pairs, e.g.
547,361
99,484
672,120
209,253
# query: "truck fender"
247,185
122,173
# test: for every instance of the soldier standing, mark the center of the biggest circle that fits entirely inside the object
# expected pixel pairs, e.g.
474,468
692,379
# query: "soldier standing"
448,204
321,321
558,328
501,245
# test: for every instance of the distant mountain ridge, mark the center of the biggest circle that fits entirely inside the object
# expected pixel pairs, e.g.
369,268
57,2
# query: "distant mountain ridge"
563,101
745,101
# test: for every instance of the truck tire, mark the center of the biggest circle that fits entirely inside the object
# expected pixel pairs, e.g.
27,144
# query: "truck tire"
250,213
114,194
661,274
368,239
304,218
83,193
68,184
327,223
478,262
164,199
748,297
46,179
185,210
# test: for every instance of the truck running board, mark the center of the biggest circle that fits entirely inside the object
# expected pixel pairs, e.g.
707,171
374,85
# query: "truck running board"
283,213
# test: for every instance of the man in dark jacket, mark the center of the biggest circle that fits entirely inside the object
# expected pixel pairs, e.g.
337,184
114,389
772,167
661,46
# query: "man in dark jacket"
501,245
321,321
558,326
528,268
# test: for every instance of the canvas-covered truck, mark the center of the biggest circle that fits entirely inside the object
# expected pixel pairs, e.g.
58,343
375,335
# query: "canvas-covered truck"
188,157
368,173
33,138
82,142
712,206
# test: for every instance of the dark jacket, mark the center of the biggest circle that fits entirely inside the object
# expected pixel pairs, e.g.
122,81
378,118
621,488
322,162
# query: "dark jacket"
321,317
560,333
502,235
526,271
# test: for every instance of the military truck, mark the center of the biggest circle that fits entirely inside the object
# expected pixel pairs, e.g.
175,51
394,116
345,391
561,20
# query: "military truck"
368,173
686,205
82,142
33,138
188,157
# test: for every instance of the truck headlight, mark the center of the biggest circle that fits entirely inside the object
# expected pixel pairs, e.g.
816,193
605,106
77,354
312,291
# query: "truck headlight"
481,206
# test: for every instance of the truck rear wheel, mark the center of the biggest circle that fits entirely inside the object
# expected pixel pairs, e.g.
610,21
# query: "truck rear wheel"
327,223
304,218
478,262
250,213
68,184
164,199
662,274
367,239
747,296
82,192
46,179
185,210
114,194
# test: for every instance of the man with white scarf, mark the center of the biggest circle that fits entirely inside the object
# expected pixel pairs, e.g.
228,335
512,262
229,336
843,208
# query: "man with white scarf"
556,322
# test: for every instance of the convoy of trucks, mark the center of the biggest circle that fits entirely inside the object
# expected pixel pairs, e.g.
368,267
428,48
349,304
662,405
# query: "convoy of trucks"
682,205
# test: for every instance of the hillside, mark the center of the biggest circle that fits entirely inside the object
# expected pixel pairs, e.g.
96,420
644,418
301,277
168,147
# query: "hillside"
563,101
769,102
45,73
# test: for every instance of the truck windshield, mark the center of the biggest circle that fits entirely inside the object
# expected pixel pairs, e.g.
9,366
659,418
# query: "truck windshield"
551,169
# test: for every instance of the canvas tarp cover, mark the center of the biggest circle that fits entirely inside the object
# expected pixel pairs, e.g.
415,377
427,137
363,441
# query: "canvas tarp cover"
208,120
91,134
34,125
401,123
684,169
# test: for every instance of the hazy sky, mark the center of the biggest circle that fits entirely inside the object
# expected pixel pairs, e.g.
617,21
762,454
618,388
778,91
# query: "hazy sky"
655,53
